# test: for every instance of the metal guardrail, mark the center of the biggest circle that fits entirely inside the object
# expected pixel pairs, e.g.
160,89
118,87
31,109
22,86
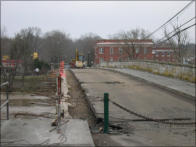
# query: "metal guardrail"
3,84
6,103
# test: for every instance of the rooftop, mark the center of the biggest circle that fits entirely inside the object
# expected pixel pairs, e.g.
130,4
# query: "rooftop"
122,42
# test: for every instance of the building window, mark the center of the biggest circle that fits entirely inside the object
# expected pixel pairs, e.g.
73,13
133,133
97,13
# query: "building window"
160,53
145,50
153,52
168,54
111,51
101,51
111,59
101,60
137,50
120,51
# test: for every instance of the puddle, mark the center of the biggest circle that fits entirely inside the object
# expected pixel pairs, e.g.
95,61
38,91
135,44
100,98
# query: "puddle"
23,96
107,82
29,102
114,82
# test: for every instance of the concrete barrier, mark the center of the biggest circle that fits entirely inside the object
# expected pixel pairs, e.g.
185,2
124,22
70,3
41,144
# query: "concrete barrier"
64,105
180,71
65,96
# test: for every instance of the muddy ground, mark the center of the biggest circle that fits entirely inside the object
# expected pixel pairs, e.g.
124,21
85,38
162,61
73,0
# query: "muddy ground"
82,111
42,84
36,91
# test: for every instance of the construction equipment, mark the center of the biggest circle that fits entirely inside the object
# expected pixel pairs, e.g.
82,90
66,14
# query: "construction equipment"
78,62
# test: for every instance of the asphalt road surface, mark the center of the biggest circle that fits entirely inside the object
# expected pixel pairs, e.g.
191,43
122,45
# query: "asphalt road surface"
144,99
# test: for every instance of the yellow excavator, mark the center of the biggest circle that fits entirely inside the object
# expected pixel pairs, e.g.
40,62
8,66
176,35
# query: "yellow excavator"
78,62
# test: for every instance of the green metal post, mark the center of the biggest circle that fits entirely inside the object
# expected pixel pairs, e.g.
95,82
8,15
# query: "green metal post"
7,95
106,112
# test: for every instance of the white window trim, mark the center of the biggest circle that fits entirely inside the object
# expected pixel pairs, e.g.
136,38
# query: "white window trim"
101,50
120,50
137,51
101,60
111,51
145,51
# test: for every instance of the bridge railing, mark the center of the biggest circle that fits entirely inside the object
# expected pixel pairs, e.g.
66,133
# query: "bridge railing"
6,103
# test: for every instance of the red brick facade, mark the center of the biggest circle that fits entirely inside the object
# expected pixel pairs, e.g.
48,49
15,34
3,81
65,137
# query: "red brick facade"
11,63
120,50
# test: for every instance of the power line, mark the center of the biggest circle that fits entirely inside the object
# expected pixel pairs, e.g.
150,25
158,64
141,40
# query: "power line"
170,19
177,33
178,28
183,24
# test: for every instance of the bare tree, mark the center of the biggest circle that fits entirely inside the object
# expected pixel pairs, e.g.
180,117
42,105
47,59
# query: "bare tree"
129,38
56,46
7,73
3,32
179,43
23,47
86,44
6,45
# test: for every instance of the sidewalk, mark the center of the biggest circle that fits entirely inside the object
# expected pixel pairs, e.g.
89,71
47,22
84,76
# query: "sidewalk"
174,85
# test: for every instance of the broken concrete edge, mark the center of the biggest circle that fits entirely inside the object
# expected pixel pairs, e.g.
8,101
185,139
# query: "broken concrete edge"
190,98
64,105
49,145
87,98
64,86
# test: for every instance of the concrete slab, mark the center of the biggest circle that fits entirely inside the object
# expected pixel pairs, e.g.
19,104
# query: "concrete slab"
31,109
37,132
78,133
32,126
115,113
144,99
17,95
152,134
132,94
177,85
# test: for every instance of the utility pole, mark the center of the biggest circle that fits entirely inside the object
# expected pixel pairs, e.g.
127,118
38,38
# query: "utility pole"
88,60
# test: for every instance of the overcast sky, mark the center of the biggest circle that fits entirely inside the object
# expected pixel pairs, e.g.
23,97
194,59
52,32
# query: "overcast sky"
100,17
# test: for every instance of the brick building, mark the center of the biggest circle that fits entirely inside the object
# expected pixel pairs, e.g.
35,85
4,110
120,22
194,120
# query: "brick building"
11,63
121,50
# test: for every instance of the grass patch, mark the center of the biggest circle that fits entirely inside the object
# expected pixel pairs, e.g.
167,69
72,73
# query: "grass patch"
39,77
189,78
167,74
31,83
